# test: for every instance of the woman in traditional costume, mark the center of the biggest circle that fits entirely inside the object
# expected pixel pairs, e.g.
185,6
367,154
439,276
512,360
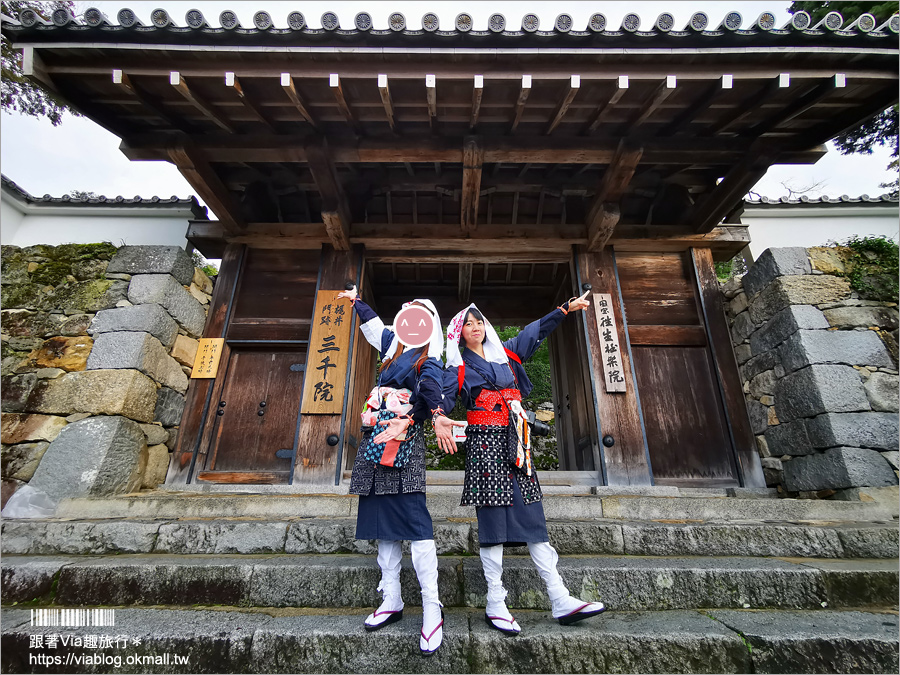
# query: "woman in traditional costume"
389,471
500,479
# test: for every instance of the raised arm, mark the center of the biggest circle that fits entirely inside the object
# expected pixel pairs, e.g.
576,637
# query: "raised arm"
371,325
526,343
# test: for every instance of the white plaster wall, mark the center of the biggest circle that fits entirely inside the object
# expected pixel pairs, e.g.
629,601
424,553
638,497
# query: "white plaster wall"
808,226
10,221
119,229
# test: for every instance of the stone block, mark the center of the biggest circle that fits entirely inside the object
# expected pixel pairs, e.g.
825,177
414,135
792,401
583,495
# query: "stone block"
758,364
155,434
153,260
881,388
202,281
797,290
775,262
731,287
157,466
742,327
150,318
853,348
173,439
784,324
886,496
74,325
819,389
20,461
162,289
866,317
86,296
827,260
24,323
838,468
763,384
738,304
893,458
759,421
66,353
169,407
876,430
23,427
789,439
185,350
15,390
742,353
96,457
140,351
198,295
8,487
101,392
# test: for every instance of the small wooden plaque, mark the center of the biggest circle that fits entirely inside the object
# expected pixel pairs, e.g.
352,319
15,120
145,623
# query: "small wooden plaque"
206,364
326,365
610,353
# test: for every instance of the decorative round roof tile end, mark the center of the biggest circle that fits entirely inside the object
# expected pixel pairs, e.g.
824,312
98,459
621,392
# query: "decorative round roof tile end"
894,23
563,23
363,21
127,18
530,23
831,21
665,22
195,19
430,22
732,21
120,199
463,22
296,21
160,18
597,23
800,20
330,21
262,20
497,23
865,23
28,17
766,21
699,21
631,23
61,17
229,20
397,22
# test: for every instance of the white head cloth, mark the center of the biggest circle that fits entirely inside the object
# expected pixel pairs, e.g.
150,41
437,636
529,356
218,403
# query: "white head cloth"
435,344
493,347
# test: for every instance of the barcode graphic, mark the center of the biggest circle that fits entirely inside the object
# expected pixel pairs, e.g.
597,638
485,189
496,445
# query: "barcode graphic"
73,617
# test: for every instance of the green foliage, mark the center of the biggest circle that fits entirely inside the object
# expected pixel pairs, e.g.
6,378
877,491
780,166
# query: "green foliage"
537,367
725,269
199,261
873,267
882,11
18,93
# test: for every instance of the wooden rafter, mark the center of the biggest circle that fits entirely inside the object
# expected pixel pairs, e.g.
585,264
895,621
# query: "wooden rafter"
597,119
604,212
335,210
386,101
662,92
473,160
146,100
203,179
334,81
477,93
813,95
748,105
465,282
287,83
690,112
231,80
431,98
524,91
563,107
200,103
838,124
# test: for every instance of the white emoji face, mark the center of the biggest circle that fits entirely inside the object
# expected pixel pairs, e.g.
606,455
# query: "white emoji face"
414,326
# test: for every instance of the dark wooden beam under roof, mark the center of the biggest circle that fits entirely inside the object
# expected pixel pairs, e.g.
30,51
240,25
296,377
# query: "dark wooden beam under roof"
840,123
662,92
203,179
431,99
750,104
287,83
334,81
605,211
200,103
385,93
699,104
563,107
524,91
473,160
477,93
231,80
151,103
464,289
335,209
605,108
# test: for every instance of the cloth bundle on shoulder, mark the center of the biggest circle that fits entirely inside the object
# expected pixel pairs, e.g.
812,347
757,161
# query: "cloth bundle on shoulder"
395,453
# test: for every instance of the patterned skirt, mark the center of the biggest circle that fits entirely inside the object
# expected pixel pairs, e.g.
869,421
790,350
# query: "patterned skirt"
370,478
489,473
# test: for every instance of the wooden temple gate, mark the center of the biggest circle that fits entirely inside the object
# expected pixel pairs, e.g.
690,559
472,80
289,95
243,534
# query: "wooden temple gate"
509,168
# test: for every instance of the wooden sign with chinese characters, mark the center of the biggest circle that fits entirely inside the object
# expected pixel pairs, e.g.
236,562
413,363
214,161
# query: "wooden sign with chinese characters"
609,343
329,351
206,363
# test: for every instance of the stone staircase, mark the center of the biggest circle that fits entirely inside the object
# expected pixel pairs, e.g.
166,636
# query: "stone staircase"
276,582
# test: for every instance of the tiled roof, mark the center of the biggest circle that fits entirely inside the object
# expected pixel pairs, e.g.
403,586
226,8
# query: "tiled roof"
803,200
498,30
200,212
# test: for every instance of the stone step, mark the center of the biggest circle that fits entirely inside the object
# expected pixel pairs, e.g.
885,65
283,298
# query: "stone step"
446,505
321,581
229,640
457,536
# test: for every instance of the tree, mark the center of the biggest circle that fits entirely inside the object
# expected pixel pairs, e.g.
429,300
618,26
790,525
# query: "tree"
17,93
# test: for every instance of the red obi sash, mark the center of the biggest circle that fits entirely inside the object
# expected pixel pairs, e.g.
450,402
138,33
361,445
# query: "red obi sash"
489,399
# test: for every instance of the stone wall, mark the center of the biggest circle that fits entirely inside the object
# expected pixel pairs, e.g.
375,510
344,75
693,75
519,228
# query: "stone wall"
819,365
97,347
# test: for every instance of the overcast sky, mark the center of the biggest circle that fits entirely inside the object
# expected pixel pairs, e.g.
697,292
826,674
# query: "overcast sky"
80,155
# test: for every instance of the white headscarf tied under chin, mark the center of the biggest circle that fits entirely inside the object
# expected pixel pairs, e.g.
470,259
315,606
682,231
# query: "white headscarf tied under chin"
493,347
435,343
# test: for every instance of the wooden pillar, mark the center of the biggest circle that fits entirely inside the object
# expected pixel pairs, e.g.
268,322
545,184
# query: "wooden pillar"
625,461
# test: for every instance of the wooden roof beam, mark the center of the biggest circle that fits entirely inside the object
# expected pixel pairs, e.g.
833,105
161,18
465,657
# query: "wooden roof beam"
839,124
597,119
196,169
751,103
701,103
477,93
520,102
563,107
663,91
200,103
334,81
287,83
464,288
232,81
335,209
473,161
808,100
604,212
386,101
122,79
431,98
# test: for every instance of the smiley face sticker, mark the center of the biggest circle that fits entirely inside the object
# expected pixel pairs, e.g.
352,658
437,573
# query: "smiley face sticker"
414,326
